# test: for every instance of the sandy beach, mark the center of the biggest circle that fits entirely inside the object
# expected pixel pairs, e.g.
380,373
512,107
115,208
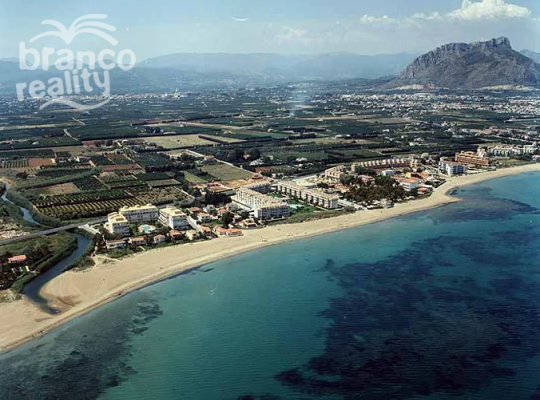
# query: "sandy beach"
76,293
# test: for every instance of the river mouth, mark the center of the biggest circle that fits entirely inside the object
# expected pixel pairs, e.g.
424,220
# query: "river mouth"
32,290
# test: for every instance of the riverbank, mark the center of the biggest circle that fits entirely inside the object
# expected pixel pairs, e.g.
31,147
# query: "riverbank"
76,293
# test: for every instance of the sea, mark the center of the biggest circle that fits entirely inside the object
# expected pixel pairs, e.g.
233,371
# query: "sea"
437,305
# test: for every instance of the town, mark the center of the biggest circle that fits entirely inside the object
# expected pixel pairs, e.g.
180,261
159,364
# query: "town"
211,166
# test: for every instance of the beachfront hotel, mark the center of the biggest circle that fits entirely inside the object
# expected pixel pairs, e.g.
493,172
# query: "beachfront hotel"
264,207
134,214
117,224
174,218
311,196
469,157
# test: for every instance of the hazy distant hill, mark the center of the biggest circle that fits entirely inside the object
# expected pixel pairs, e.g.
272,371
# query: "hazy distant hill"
469,66
193,71
287,67
531,54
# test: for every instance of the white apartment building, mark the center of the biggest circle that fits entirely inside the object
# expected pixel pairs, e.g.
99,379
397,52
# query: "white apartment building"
261,187
386,164
174,218
335,173
263,206
311,196
451,168
272,211
508,150
117,224
136,214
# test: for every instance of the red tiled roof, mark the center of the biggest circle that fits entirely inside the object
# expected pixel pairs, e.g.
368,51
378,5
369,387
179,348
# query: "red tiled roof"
20,258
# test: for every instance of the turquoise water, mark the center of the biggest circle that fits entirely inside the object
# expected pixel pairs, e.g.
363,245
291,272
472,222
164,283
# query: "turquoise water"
439,305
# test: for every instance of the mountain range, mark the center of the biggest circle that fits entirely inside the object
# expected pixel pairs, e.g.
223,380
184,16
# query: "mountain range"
188,71
453,66
285,67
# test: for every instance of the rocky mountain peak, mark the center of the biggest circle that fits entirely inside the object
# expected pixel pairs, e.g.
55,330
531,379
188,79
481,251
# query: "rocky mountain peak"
472,65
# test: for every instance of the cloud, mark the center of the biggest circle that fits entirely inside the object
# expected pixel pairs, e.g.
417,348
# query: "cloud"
489,9
370,19
289,34
469,11
473,20
429,17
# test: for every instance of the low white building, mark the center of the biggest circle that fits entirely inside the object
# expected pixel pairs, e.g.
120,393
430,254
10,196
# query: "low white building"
387,203
115,244
192,235
203,218
410,184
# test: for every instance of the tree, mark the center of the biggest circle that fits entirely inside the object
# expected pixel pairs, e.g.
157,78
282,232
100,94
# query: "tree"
227,219
347,180
254,154
291,159
215,198
366,171
21,175
244,214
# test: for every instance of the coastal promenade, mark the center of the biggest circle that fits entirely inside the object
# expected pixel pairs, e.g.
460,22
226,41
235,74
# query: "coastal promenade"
76,293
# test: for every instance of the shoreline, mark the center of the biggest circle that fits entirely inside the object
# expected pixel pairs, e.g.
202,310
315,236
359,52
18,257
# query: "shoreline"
78,293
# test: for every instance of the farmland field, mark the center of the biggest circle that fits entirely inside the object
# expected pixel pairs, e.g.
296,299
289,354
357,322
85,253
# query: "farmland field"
89,183
86,210
191,178
63,188
163,183
172,142
361,153
226,172
8,164
158,195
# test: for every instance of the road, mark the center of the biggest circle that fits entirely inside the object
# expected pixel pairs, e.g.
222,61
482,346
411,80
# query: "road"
60,229
50,231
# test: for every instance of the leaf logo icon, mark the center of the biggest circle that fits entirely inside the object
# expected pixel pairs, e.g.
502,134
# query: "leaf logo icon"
78,27
73,104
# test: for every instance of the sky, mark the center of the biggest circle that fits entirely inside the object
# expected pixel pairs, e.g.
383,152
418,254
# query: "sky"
157,27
